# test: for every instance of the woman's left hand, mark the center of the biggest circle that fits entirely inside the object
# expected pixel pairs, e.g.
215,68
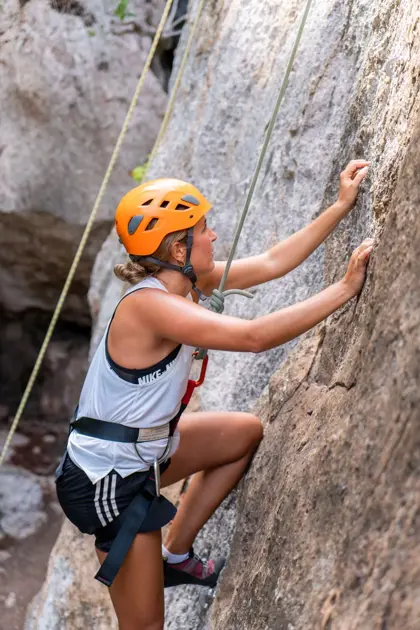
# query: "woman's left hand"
350,180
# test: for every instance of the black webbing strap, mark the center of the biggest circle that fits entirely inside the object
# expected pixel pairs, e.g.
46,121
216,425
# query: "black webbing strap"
113,431
134,517
158,511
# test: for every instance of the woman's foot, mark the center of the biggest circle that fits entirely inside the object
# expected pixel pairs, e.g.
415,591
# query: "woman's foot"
193,570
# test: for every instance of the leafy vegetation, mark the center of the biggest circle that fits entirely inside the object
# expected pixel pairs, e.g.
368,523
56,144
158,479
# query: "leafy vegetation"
121,10
139,172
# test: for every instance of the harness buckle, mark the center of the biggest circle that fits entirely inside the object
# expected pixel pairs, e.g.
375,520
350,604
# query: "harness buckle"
156,468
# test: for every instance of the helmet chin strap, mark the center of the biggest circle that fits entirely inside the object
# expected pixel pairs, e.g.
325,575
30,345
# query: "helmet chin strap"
187,270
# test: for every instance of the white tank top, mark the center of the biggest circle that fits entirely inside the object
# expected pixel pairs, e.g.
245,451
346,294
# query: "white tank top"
153,399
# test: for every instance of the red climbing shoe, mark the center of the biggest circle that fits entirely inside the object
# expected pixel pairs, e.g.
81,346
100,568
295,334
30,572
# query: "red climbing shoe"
193,570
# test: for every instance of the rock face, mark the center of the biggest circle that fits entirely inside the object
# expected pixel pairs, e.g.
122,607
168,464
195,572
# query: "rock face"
21,504
326,524
68,72
328,532
66,604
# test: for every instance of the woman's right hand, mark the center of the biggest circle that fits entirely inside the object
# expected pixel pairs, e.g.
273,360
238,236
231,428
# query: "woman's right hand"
356,271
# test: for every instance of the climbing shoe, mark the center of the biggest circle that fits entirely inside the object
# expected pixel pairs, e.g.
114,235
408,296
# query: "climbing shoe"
193,570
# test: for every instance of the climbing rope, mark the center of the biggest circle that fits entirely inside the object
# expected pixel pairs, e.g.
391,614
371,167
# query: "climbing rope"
177,83
89,224
217,299
171,103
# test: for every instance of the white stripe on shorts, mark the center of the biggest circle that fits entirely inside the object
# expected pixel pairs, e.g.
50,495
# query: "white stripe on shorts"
105,499
97,506
112,495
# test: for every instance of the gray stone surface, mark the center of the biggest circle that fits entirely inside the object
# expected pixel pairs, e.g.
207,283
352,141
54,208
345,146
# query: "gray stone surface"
67,76
187,607
327,532
70,597
105,289
21,503
227,97
353,92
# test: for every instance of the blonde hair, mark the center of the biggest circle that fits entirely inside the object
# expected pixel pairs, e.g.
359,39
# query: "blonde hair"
134,271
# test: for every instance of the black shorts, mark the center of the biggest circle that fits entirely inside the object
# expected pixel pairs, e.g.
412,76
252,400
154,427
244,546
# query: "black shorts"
99,508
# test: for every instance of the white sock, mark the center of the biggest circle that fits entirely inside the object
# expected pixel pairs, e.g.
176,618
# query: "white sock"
174,558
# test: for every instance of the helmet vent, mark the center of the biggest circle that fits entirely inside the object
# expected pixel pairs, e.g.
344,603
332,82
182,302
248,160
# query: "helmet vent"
134,223
181,206
147,203
191,199
151,224
164,204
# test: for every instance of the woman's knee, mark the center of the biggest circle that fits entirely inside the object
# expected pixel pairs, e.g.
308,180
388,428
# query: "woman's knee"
254,429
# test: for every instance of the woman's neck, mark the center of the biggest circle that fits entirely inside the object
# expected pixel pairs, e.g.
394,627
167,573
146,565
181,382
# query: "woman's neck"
174,281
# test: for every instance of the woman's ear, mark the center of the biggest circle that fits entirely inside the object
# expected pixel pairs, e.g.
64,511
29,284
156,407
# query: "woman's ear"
178,252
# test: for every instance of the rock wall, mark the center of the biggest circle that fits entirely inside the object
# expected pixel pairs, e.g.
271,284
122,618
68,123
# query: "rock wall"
68,602
68,71
326,522
328,533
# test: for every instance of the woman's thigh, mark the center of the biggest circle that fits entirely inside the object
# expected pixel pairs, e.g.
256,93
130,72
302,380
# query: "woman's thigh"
211,439
137,591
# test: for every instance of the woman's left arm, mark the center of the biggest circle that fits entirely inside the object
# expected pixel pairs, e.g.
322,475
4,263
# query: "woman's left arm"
290,253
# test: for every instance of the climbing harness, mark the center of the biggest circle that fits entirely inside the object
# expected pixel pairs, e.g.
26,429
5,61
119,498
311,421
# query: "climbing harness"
148,502
99,198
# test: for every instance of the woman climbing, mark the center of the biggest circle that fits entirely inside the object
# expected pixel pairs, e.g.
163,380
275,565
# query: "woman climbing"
128,430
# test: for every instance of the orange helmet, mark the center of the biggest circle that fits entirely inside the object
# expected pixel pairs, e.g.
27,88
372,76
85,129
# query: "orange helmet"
174,204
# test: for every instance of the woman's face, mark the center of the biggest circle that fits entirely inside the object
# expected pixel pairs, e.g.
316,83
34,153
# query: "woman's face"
202,255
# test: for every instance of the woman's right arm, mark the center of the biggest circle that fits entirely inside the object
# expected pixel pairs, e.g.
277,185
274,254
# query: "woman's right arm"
172,317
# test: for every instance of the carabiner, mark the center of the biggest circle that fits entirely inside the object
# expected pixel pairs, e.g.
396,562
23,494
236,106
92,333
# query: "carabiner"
156,468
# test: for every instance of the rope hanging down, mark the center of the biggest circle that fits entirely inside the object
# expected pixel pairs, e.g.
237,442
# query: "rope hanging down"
217,298
177,83
98,200
171,102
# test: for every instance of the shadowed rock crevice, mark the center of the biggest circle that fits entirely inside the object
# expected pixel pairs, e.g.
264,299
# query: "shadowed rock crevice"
56,390
73,7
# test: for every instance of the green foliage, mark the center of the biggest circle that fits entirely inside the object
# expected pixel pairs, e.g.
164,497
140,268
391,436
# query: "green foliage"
121,10
91,32
139,172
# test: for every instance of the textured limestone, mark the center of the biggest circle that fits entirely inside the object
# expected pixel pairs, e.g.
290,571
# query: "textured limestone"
333,474
67,74
328,533
70,597
21,503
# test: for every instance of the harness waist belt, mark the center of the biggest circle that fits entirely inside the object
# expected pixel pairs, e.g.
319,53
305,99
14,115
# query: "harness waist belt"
114,432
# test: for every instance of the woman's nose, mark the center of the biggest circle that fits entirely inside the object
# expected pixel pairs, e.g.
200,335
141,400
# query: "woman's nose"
213,236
